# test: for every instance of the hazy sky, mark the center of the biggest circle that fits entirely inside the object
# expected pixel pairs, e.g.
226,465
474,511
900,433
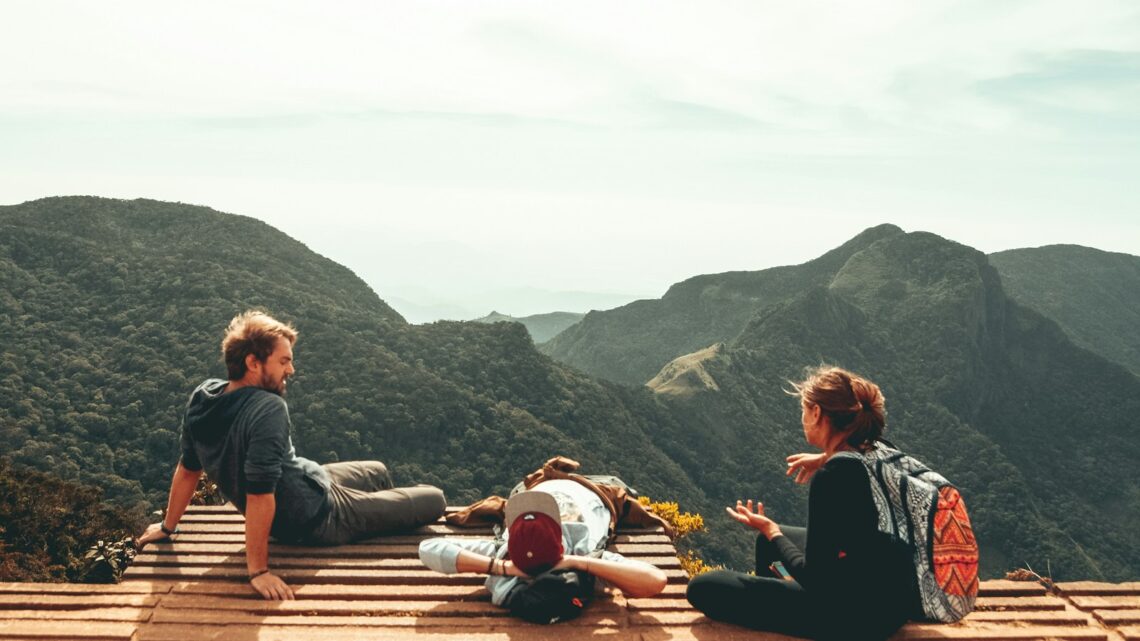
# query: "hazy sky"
480,154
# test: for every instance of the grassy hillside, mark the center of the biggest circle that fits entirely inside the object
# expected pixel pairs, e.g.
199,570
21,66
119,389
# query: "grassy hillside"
1092,294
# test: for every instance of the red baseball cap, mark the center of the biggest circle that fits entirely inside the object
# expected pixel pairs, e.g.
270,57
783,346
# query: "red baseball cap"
534,526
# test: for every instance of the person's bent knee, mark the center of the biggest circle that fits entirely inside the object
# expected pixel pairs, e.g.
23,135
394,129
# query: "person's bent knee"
699,588
437,502
429,503
706,592
379,474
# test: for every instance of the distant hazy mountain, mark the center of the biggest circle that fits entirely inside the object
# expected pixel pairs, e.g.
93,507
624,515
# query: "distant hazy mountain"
542,327
426,307
419,313
1093,295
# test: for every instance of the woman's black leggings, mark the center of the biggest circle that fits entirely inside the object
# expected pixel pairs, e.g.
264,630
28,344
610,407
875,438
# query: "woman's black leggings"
761,602
765,602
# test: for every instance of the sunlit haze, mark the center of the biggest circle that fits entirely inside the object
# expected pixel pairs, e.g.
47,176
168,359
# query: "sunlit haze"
526,157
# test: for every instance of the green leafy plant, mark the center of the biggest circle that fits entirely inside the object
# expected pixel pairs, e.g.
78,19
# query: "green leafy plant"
47,522
106,561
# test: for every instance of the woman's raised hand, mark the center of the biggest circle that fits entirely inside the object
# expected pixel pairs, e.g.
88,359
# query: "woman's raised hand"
754,518
804,465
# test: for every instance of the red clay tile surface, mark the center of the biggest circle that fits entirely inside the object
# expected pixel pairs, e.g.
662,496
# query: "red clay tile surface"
195,588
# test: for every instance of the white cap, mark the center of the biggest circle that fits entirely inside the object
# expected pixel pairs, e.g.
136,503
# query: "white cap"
532,501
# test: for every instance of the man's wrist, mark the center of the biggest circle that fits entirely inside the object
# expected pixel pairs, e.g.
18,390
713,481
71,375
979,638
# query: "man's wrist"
165,530
254,575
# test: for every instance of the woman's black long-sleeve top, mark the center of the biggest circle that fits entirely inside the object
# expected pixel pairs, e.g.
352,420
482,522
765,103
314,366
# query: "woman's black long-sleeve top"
850,567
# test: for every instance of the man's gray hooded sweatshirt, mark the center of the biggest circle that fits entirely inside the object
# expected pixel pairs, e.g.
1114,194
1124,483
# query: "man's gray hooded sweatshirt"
242,441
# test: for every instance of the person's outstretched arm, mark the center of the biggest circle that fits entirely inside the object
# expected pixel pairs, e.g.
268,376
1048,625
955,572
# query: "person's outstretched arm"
182,487
259,511
636,579
804,465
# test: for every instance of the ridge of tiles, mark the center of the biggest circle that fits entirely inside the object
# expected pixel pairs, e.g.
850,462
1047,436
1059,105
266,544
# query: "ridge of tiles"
195,588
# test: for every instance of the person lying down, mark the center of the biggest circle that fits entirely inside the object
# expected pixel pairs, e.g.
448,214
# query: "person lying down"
555,533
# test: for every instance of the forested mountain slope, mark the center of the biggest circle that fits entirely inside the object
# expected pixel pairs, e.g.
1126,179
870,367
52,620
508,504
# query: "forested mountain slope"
1038,432
631,343
112,311
1093,295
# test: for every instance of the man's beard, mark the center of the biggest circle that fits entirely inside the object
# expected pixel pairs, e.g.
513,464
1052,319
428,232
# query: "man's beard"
269,385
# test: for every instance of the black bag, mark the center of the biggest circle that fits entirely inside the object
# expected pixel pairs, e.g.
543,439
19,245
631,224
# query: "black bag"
557,595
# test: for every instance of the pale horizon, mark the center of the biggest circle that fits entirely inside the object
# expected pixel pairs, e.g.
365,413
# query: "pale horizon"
452,154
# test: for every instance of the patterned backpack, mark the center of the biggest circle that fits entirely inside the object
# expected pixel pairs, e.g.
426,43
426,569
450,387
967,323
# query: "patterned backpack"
920,508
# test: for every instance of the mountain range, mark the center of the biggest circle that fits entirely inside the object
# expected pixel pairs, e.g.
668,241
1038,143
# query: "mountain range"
111,311
428,306
989,391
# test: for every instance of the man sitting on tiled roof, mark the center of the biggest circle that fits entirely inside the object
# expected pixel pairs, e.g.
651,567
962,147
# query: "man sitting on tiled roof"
237,430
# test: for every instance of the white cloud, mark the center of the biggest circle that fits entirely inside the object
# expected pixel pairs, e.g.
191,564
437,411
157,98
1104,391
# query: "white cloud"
763,60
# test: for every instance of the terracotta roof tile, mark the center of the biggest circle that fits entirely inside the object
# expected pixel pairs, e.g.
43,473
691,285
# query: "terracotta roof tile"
194,588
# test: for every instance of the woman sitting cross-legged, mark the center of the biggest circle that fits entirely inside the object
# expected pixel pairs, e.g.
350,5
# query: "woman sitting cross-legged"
848,579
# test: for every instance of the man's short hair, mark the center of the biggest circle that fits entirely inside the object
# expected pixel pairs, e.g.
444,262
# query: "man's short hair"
252,332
